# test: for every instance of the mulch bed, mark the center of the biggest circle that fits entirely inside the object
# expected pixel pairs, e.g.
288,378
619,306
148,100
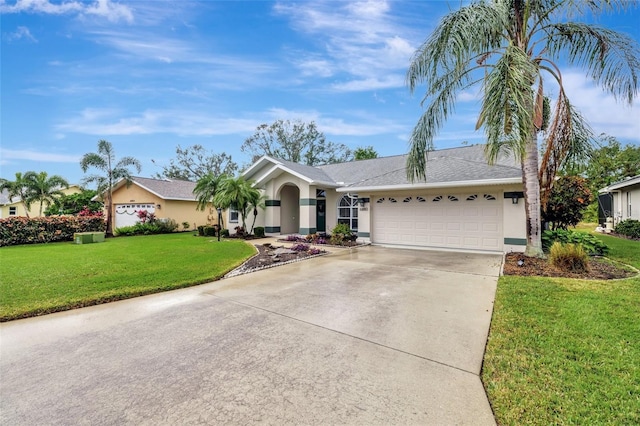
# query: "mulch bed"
599,268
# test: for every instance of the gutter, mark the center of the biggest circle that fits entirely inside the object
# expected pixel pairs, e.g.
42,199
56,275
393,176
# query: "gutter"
435,185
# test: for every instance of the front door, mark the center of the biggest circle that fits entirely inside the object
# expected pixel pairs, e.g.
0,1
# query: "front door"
321,216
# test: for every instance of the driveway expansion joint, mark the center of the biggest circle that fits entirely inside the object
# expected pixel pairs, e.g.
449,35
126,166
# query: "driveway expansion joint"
348,335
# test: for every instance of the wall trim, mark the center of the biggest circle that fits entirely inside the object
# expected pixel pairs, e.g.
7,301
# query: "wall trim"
306,231
516,241
364,234
272,203
308,202
272,229
518,194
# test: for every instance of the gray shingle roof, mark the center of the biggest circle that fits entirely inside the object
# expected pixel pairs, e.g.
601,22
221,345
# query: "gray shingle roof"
168,189
446,165
316,174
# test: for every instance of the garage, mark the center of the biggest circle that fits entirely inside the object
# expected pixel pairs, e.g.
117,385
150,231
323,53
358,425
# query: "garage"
471,221
127,214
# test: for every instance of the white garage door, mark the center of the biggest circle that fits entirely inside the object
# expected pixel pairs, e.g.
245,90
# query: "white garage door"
127,214
457,221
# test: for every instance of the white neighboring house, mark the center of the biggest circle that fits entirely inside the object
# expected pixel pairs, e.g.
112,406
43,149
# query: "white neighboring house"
621,200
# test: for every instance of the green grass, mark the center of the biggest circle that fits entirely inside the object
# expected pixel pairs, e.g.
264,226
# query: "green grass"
565,351
44,278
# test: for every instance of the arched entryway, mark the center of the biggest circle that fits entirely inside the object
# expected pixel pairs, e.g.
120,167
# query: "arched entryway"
289,209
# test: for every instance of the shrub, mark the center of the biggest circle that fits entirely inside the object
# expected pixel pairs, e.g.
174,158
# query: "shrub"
341,233
300,247
567,202
21,230
629,228
258,231
590,243
292,237
569,256
224,233
162,226
185,225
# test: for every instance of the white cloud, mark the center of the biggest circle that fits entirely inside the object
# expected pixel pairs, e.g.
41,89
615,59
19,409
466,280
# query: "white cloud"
21,33
9,155
601,110
114,12
363,42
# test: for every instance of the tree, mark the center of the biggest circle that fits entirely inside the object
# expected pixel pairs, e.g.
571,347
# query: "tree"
239,194
611,163
568,200
364,153
206,189
294,141
75,203
43,188
112,172
510,47
194,162
18,188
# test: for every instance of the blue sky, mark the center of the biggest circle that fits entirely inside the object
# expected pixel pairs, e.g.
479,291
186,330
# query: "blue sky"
151,75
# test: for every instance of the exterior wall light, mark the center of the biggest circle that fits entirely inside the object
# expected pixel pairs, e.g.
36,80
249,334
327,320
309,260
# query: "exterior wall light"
514,199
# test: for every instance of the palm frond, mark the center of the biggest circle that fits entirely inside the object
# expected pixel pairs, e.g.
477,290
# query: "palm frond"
612,59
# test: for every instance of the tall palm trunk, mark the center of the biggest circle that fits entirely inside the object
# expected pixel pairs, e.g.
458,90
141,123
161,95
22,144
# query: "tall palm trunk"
108,205
532,197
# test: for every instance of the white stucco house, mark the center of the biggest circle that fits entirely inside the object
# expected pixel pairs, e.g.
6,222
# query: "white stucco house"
464,204
620,201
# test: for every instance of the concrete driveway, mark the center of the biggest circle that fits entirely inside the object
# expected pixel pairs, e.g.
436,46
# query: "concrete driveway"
369,336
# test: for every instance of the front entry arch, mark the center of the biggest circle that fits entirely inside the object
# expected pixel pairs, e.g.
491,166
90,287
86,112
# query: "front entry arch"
289,209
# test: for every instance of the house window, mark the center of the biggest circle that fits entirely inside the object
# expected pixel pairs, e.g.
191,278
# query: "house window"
13,211
233,216
348,211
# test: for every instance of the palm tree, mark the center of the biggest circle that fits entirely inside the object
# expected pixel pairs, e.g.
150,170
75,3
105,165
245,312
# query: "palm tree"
18,188
206,189
239,194
510,47
112,172
43,188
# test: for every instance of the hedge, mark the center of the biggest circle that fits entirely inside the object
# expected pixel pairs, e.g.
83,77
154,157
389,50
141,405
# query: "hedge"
22,230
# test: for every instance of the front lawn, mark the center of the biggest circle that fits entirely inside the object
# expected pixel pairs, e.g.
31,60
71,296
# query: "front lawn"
565,351
44,278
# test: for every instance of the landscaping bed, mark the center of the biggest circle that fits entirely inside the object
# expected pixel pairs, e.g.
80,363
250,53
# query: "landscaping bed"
269,256
600,268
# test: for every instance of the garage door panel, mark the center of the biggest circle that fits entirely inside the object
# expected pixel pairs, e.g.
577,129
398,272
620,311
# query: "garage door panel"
469,223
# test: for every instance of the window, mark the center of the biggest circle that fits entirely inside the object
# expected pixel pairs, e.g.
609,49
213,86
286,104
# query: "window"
452,198
421,199
348,211
407,200
380,200
472,197
233,215
489,197
437,198
13,211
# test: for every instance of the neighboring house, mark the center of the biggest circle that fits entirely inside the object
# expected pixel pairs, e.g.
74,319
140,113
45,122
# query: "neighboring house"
14,207
620,201
167,199
465,204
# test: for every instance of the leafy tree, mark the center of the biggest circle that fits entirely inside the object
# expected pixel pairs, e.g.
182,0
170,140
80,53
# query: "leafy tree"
510,47
112,172
294,141
43,188
194,162
365,153
611,163
75,203
567,202
18,188
239,194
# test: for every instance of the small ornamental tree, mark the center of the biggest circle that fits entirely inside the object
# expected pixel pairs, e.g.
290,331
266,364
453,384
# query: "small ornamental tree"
567,202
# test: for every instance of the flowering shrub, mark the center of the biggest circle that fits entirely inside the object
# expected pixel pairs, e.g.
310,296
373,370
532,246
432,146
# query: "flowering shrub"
86,212
22,230
146,217
162,226
300,247
294,238
315,251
